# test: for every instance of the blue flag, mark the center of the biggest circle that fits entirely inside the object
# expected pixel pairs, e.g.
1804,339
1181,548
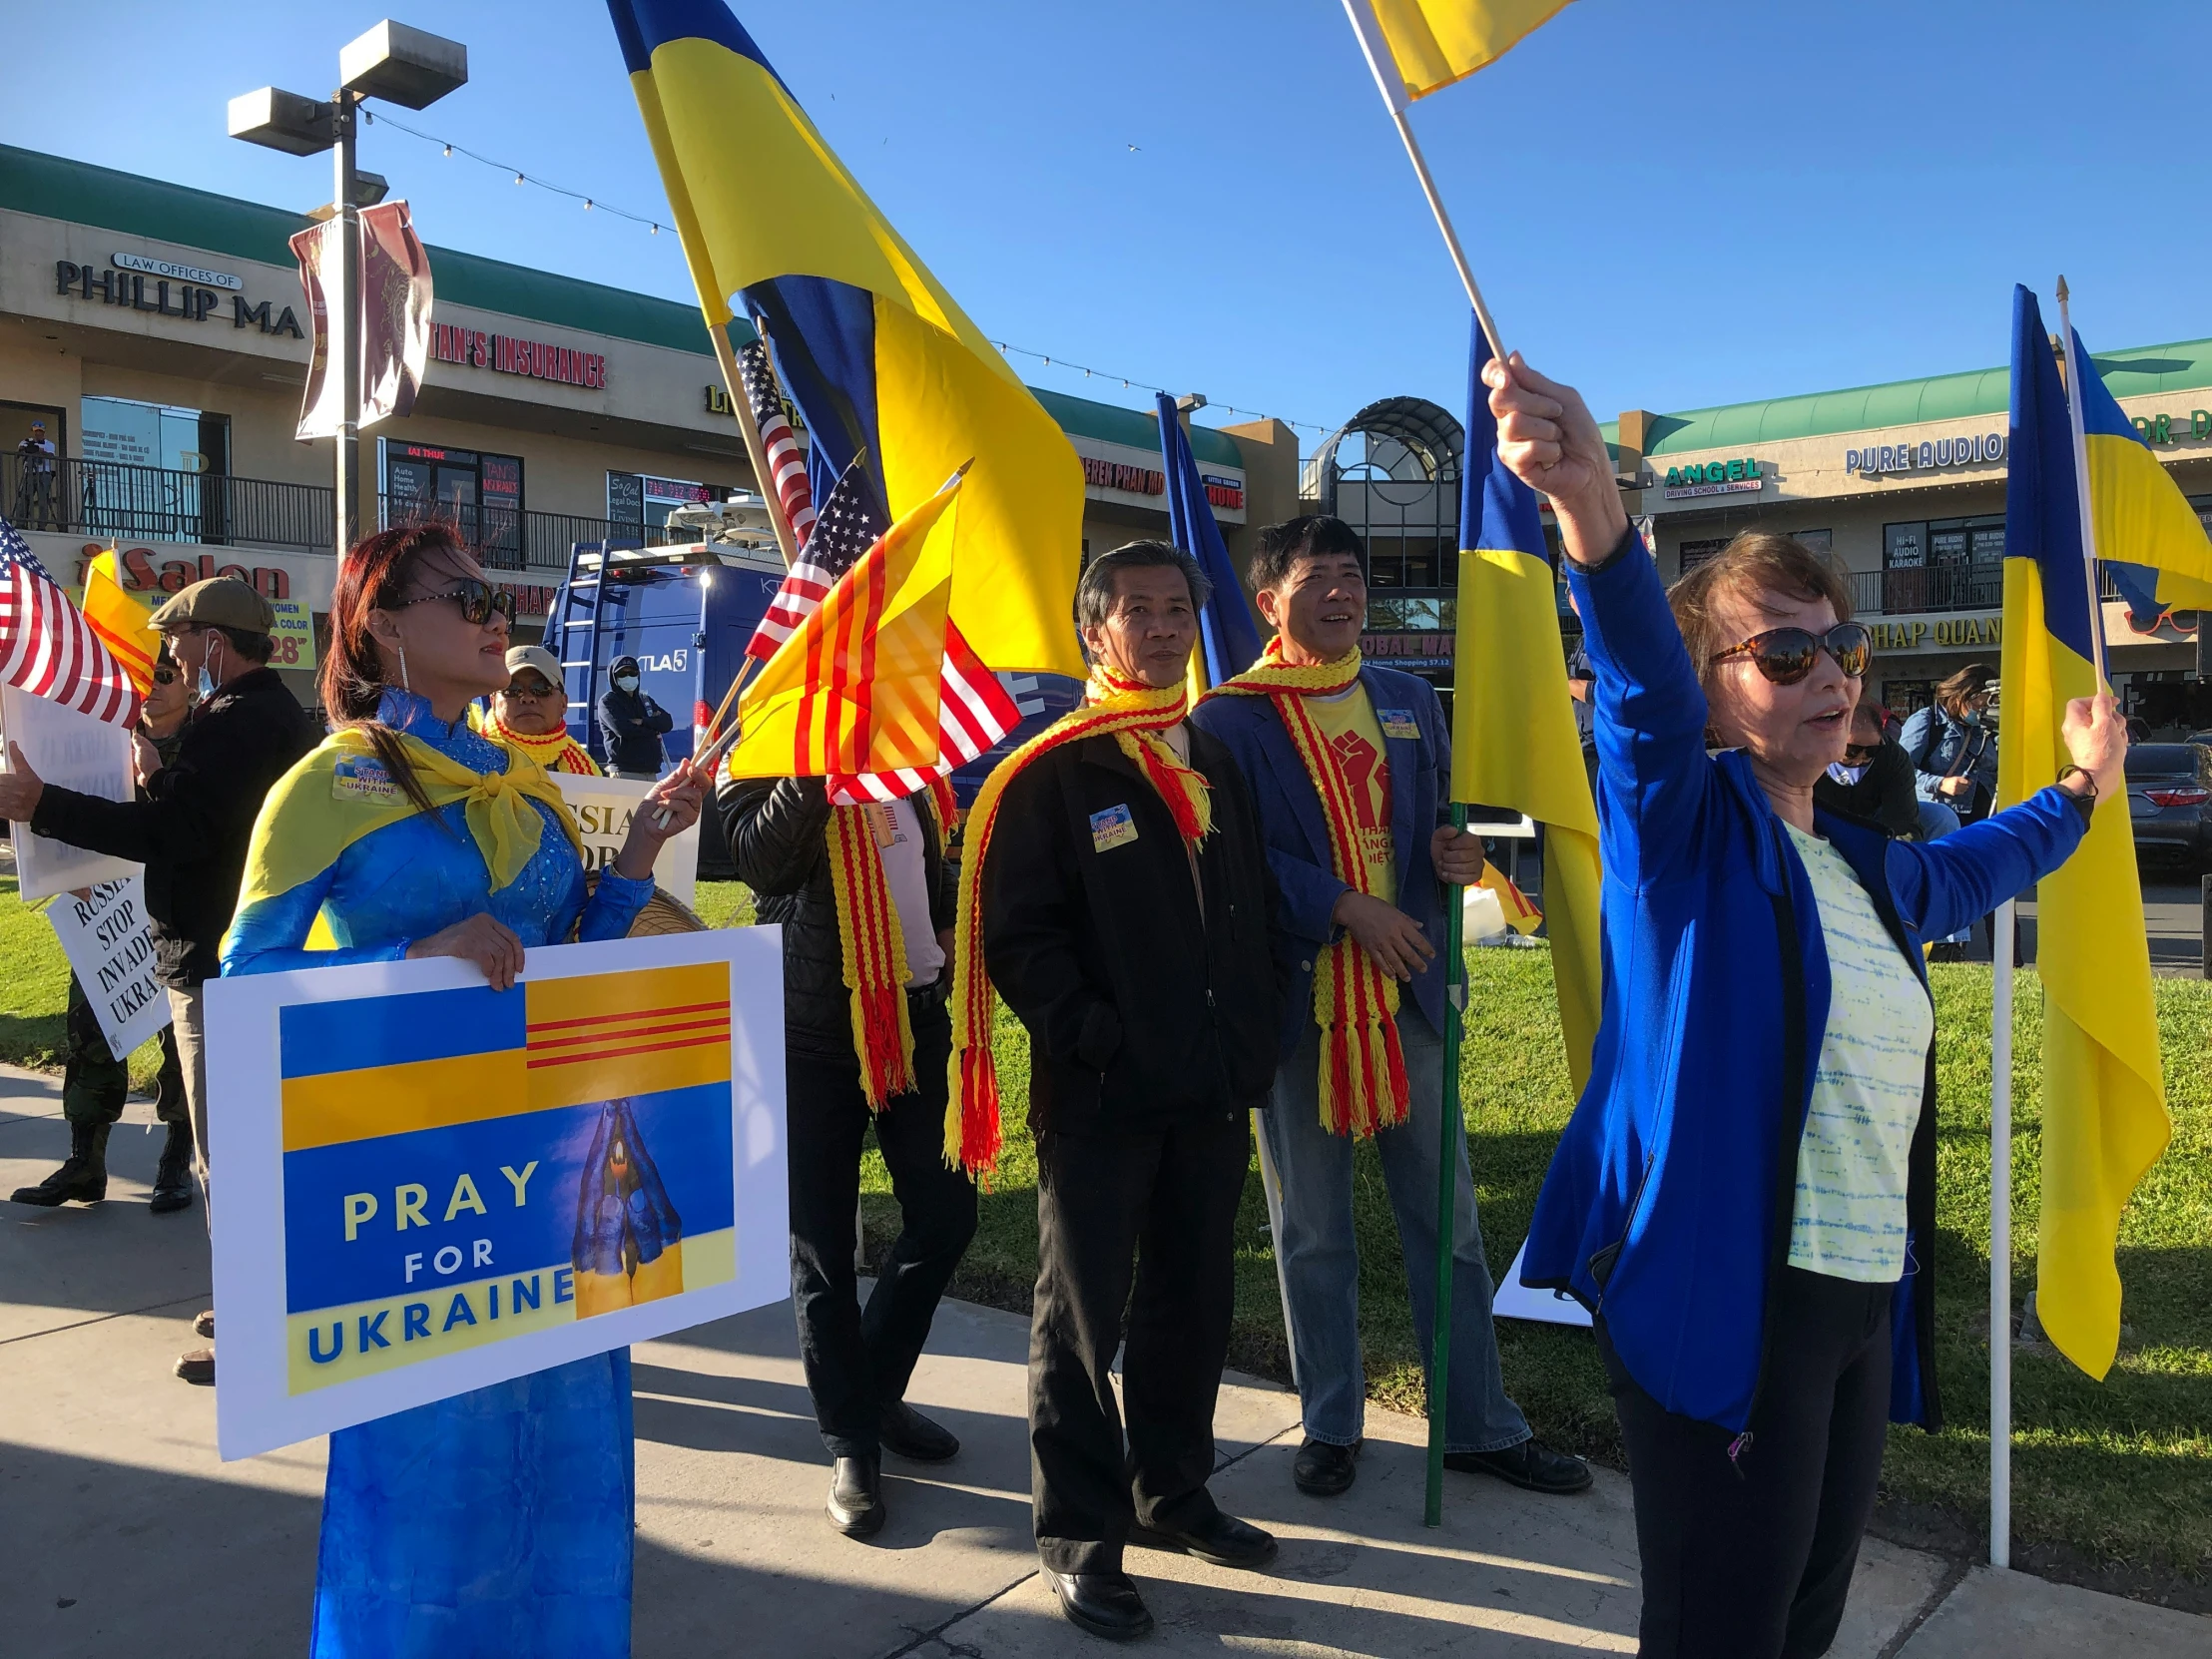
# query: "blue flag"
1227,630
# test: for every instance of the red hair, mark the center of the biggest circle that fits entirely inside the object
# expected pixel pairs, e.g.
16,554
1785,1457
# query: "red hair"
373,575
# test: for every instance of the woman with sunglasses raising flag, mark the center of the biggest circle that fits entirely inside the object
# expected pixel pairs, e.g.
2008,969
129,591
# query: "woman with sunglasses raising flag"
501,1520
1745,1196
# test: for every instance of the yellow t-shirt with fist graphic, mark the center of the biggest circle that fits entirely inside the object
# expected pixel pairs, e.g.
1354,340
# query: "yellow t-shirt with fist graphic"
1347,723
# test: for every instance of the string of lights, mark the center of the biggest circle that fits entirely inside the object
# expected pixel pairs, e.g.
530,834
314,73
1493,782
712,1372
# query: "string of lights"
594,204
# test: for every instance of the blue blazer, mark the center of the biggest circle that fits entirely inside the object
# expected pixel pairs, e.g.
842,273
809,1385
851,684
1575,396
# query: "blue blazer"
1296,835
1667,1205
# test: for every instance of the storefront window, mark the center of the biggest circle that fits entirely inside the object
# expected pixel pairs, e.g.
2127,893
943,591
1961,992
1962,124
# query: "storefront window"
1950,564
1695,553
478,493
1904,698
144,464
640,498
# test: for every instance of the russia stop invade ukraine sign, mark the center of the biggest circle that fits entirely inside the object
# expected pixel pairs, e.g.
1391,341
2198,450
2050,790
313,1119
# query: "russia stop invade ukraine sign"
430,1186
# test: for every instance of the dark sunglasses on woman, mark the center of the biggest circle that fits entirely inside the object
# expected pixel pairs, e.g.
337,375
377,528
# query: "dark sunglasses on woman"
1787,655
477,601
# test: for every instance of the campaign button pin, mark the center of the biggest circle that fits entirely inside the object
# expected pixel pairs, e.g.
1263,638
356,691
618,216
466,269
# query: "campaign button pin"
1111,829
1397,723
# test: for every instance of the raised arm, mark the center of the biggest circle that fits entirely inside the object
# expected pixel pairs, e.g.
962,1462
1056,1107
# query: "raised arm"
1650,712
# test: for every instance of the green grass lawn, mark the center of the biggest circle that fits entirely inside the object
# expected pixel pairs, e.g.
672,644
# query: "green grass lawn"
2114,1475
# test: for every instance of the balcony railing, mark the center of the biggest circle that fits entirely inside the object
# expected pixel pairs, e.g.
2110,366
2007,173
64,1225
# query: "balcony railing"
1967,587
112,500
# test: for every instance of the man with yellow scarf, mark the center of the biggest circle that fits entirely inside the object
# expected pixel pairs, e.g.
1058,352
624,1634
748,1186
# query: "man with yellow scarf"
1350,767
1116,894
531,714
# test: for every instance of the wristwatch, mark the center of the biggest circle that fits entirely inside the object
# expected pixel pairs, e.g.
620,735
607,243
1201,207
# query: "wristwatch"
2088,799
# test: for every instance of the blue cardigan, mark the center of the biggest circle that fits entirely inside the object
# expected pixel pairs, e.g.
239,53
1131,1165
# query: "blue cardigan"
1298,837
1667,1206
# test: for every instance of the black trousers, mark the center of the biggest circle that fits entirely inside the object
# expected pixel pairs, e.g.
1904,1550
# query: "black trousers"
1752,1559
1156,1211
856,1362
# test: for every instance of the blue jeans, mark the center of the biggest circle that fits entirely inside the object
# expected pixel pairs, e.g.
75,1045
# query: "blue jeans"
1321,1261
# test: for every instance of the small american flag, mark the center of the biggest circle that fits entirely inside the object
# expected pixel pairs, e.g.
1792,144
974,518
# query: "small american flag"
787,461
847,529
45,645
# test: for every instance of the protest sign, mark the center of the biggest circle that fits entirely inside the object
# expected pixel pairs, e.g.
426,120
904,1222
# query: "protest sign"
73,752
439,1186
604,808
105,938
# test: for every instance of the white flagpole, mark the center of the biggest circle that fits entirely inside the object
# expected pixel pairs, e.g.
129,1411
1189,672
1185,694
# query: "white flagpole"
1384,67
2074,374
1271,1188
2000,1240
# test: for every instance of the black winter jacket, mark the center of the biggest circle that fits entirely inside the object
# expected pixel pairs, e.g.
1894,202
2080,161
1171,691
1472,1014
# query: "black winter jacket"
1138,1011
631,724
776,830
191,824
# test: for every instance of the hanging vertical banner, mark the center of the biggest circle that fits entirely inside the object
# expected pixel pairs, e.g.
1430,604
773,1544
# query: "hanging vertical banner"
395,312
395,301
104,934
451,1186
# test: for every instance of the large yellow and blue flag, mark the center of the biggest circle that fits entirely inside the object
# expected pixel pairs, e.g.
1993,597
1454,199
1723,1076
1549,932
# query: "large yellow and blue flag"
2148,535
868,344
464,1166
1416,47
2105,1105
1513,739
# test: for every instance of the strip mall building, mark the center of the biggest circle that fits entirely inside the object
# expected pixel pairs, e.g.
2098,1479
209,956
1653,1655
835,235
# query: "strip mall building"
159,336
1904,484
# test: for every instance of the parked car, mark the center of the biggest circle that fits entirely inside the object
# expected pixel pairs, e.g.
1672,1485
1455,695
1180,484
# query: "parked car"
2169,800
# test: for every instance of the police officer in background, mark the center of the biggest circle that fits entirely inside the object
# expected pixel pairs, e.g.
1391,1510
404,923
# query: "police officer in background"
192,820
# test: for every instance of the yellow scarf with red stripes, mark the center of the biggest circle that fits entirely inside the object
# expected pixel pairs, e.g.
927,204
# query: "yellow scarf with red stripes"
555,751
1362,1069
875,945
1135,715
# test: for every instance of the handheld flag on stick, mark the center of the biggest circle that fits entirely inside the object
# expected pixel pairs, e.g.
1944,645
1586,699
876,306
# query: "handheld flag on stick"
871,349
2105,1110
123,621
1513,738
1228,635
48,648
1416,47
856,687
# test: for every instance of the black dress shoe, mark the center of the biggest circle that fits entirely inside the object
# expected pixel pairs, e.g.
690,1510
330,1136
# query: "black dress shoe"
1323,1470
1220,1539
856,1497
913,1437
1531,1465
1104,1603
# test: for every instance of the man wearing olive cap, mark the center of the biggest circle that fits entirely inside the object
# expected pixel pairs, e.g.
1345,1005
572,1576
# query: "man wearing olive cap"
189,828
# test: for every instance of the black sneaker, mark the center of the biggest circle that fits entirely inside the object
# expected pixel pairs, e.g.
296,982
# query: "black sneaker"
1324,1471
1530,1466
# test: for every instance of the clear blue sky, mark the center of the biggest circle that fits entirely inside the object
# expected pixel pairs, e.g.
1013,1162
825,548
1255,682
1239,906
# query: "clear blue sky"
1670,205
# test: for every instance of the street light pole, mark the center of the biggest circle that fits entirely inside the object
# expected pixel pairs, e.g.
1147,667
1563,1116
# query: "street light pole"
346,328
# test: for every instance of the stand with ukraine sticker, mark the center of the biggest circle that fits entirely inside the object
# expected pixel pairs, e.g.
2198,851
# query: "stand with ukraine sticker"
431,1186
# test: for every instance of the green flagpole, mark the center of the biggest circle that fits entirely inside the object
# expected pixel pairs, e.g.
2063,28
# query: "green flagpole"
1447,1185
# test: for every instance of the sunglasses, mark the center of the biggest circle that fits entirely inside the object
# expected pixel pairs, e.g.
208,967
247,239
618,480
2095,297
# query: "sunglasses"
1787,655
477,601
530,690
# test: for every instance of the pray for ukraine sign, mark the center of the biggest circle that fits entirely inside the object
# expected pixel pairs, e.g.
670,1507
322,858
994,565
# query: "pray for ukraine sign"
431,1186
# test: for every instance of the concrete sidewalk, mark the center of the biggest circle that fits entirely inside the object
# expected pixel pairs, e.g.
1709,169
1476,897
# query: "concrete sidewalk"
123,1533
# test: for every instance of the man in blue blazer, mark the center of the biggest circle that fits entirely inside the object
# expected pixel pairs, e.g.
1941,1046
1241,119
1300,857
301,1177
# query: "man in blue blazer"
1375,738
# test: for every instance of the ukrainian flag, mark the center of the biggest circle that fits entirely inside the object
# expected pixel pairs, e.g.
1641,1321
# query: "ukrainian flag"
464,1166
2104,1106
2149,537
871,349
1513,741
1417,47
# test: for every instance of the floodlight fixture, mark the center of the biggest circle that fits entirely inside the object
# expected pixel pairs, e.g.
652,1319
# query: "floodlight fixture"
409,67
370,188
279,120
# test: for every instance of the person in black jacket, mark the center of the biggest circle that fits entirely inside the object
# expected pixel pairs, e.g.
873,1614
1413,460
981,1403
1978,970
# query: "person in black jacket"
194,818
857,1363
632,724
1141,964
1875,779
